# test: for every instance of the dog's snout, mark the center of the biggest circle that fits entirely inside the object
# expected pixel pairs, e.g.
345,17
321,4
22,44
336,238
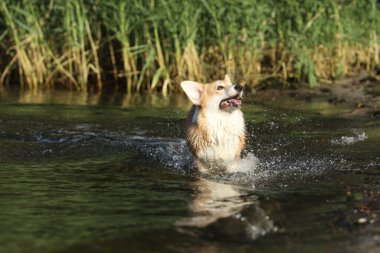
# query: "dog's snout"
238,87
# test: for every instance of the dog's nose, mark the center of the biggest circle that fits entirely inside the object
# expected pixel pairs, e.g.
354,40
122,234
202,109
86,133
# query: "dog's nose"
238,87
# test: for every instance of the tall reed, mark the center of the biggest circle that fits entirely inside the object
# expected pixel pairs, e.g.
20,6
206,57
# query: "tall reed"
80,49
154,44
30,50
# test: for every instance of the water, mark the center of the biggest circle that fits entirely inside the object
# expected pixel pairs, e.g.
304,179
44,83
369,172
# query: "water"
112,173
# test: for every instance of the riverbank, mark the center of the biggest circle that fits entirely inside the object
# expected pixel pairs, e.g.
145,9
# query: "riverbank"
362,93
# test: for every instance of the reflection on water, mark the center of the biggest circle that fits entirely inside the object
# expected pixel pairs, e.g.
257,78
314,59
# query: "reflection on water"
213,201
219,207
65,97
111,173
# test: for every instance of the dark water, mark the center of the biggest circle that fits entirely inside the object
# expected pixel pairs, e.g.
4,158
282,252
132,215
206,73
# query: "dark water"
111,173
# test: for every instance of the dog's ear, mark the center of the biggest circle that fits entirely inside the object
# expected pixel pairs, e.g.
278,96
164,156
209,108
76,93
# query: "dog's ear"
227,79
193,90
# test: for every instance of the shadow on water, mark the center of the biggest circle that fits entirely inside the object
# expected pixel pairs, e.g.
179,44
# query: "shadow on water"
112,173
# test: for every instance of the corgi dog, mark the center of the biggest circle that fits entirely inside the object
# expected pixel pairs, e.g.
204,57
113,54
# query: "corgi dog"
215,125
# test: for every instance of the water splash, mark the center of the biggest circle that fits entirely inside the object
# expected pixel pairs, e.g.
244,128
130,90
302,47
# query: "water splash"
359,135
248,163
172,153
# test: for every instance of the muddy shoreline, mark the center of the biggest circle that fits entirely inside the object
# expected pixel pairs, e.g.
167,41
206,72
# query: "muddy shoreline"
361,92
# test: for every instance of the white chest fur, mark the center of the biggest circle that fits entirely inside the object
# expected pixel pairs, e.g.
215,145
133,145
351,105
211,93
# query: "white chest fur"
224,130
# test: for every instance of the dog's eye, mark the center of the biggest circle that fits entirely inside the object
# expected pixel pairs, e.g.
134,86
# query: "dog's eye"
220,87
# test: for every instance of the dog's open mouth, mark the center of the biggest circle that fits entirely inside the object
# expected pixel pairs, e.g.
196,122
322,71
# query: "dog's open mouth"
230,102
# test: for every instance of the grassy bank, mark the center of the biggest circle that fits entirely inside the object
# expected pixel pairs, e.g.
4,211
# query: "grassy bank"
154,44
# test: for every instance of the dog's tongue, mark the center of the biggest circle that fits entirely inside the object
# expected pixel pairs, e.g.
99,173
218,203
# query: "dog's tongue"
234,102
231,102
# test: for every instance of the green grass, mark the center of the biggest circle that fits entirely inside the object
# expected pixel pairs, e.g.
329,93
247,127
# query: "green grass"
150,45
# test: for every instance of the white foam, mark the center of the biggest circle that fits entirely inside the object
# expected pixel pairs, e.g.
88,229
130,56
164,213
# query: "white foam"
249,163
360,135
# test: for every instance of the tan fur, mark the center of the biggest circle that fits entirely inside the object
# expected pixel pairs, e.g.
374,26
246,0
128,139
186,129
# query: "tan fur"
241,146
217,136
197,137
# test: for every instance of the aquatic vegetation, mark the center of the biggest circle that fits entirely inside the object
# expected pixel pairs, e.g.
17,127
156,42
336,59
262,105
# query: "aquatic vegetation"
151,45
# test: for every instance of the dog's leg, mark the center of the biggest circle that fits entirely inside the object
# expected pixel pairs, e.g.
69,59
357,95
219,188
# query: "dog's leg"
202,167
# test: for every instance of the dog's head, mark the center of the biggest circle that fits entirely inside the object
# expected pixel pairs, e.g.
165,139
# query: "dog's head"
218,95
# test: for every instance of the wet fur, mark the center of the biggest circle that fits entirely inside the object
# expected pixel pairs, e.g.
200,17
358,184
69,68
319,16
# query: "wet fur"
216,137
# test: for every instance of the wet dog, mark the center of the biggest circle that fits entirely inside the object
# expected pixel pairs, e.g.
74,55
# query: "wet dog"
215,125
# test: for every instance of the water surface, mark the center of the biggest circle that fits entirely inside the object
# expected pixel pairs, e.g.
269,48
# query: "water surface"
112,173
